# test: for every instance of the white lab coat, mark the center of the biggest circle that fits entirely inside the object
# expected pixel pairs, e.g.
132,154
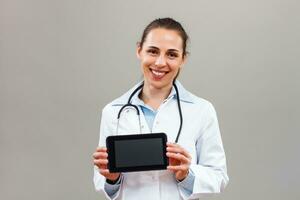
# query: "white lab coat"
200,136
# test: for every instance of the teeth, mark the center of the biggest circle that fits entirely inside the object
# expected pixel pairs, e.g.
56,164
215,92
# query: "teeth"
157,73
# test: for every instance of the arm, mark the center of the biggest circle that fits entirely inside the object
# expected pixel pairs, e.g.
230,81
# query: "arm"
209,174
210,171
101,173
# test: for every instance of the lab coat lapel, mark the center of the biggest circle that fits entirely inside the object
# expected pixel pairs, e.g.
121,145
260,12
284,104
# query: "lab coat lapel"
128,122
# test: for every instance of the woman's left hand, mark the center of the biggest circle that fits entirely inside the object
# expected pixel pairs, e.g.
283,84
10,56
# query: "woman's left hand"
179,160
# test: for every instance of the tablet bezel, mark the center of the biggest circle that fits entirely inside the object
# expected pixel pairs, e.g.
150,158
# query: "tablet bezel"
110,144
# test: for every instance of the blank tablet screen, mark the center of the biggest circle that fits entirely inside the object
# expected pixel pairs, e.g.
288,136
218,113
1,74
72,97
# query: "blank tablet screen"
137,152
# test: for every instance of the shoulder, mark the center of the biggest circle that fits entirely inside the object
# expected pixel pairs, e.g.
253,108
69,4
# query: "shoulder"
196,104
192,99
201,110
201,102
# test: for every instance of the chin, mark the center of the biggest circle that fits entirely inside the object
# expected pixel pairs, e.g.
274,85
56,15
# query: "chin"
159,84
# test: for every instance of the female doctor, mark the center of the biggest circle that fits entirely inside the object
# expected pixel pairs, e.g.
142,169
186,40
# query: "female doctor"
197,163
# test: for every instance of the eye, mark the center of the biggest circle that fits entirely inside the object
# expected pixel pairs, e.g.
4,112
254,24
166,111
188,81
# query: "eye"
152,51
172,55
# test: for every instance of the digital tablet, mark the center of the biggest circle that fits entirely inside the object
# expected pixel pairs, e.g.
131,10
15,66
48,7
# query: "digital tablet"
141,152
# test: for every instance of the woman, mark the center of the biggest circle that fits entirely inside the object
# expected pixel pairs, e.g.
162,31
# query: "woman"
197,163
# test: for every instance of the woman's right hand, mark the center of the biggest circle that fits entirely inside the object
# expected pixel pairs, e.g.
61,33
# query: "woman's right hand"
101,161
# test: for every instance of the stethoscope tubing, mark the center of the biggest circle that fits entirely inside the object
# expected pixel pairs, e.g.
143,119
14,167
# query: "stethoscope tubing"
129,104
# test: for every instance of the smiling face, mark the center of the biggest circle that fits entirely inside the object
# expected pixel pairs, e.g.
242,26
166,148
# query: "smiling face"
161,57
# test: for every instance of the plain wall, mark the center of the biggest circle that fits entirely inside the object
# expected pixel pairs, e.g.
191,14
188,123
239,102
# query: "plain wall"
61,61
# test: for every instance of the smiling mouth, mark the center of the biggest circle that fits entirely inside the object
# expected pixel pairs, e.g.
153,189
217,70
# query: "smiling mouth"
158,74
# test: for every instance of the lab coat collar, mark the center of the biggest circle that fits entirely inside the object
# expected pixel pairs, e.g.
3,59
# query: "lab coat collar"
184,95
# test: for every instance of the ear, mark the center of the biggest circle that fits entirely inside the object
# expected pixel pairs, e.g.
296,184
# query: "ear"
183,61
138,51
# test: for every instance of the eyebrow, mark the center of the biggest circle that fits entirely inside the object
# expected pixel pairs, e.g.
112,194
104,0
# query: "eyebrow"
154,47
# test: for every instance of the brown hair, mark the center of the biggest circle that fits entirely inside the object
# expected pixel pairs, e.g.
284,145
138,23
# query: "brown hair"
170,24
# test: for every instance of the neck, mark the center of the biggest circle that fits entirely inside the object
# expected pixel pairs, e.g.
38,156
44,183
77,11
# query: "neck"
154,96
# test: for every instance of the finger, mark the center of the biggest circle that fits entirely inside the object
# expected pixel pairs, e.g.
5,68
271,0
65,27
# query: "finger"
98,167
101,149
98,155
178,168
104,172
172,144
178,149
178,156
103,167
99,162
175,150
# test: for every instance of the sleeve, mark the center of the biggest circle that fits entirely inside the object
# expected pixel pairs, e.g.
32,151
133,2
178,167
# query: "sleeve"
186,186
210,172
111,193
112,189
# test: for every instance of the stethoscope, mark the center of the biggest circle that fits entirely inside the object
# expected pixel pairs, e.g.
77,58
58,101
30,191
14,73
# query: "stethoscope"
129,104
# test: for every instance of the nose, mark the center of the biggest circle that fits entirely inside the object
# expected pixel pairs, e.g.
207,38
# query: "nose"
160,61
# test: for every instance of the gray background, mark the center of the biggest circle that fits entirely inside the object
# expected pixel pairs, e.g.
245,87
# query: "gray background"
61,61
